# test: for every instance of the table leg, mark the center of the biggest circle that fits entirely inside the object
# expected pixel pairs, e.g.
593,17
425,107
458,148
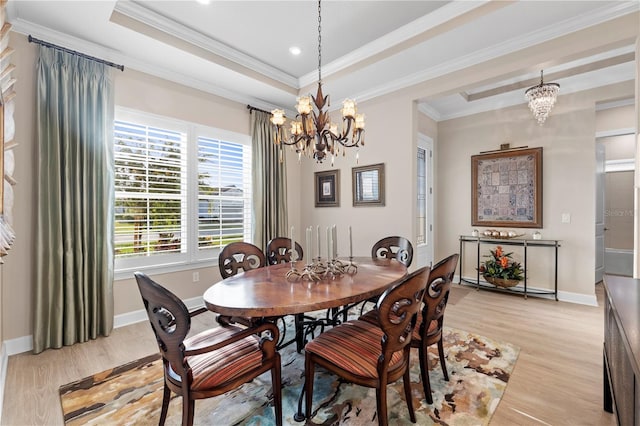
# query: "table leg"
525,269
299,415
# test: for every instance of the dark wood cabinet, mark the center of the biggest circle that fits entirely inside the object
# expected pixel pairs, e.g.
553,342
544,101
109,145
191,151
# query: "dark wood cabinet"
622,349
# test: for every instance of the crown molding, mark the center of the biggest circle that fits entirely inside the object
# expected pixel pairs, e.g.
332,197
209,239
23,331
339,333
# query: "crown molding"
148,17
55,37
507,47
615,104
429,111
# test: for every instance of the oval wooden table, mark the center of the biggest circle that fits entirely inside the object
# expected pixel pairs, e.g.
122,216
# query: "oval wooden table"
265,292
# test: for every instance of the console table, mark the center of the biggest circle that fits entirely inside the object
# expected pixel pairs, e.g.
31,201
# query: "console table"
525,243
621,353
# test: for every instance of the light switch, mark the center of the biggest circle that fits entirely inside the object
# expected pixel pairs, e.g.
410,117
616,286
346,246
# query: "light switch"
566,217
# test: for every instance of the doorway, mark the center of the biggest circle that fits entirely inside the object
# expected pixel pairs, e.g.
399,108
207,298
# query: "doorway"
618,203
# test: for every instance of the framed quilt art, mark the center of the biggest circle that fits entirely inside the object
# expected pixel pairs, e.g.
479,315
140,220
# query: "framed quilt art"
506,188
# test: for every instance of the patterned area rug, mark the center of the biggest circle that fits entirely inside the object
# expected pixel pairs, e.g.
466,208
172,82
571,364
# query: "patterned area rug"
479,369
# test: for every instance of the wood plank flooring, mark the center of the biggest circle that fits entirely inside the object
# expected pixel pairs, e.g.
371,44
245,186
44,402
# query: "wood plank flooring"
557,379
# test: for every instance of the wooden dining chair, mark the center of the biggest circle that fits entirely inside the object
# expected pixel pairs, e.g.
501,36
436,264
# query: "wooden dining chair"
394,247
279,251
368,354
430,320
209,363
239,257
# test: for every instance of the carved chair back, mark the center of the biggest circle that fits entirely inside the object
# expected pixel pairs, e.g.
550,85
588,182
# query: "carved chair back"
238,257
279,251
394,247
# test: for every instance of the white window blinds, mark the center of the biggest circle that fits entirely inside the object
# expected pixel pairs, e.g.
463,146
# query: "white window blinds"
224,192
150,190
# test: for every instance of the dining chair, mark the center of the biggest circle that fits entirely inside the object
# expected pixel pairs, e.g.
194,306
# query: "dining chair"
238,257
393,247
368,354
430,320
279,251
209,363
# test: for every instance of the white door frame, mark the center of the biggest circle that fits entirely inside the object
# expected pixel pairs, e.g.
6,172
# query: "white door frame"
424,251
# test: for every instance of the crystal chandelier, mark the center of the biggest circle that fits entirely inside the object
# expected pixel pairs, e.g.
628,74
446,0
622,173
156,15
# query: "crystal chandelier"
542,98
312,132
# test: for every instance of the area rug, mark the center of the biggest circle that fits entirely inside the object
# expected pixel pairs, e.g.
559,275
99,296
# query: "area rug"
479,369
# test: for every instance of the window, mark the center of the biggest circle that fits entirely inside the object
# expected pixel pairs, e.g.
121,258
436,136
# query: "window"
182,192
423,252
421,225
224,195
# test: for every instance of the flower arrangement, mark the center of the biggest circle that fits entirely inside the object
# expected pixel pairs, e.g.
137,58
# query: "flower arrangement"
500,265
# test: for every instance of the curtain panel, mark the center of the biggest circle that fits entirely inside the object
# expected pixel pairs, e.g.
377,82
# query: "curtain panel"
73,295
269,182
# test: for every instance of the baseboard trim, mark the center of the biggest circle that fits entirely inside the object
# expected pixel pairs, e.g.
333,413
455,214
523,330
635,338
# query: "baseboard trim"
579,298
141,315
25,343
4,360
563,296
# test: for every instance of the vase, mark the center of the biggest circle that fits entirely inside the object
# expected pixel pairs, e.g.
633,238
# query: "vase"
501,282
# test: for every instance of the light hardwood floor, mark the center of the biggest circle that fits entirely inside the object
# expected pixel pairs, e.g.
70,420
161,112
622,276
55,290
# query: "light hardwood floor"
557,379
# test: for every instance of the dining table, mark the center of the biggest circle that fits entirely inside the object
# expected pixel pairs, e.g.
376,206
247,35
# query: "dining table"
268,292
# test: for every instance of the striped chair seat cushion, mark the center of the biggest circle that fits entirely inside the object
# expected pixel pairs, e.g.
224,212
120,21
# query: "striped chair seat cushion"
213,369
372,317
354,346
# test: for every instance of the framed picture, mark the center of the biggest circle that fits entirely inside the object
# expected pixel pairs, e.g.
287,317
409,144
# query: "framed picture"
368,185
506,188
328,188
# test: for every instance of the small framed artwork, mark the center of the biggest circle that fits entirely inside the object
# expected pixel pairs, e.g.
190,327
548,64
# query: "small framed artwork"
506,188
368,185
328,188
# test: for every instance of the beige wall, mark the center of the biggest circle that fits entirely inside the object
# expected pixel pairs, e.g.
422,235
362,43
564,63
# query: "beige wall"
615,119
389,134
133,90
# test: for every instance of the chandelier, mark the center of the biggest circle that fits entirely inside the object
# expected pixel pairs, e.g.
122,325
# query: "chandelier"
542,98
312,133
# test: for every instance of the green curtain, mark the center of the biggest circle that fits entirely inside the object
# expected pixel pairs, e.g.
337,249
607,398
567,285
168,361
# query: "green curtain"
73,295
269,182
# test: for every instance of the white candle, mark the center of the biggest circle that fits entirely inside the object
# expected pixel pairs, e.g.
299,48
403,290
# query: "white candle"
334,238
309,237
293,245
350,243
329,244
318,237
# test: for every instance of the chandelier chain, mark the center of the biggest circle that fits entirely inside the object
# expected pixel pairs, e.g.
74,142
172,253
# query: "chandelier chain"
312,132
319,42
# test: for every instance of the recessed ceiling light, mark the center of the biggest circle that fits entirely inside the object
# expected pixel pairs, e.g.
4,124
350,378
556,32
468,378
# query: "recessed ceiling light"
204,1
294,50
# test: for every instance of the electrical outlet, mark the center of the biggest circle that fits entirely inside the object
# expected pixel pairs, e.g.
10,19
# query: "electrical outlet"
196,277
566,217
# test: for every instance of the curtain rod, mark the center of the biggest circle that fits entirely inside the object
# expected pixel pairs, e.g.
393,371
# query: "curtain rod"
73,52
252,108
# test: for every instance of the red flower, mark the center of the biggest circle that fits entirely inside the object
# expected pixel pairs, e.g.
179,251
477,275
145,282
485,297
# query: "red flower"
504,261
499,251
